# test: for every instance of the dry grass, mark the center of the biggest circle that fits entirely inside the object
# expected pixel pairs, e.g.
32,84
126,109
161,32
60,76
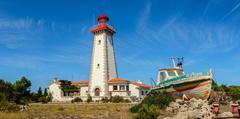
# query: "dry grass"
81,110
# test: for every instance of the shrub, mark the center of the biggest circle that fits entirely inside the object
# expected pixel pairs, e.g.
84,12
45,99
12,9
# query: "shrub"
157,98
43,100
148,112
105,100
127,101
9,107
77,99
116,99
89,98
3,97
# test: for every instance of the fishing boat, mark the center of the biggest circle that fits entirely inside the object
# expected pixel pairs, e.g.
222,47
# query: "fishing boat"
175,81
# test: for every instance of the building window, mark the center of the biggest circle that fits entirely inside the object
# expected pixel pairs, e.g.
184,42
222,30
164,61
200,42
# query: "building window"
115,88
98,66
146,92
99,42
142,92
127,88
122,87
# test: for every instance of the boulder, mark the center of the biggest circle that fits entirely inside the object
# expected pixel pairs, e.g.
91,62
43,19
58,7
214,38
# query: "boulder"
194,108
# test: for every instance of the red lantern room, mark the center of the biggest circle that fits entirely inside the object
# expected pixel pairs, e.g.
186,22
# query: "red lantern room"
102,25
103,17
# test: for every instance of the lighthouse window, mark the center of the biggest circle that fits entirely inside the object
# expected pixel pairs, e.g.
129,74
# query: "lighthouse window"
99,42
98,65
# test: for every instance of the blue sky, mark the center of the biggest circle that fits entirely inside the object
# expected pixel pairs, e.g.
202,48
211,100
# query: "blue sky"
44,39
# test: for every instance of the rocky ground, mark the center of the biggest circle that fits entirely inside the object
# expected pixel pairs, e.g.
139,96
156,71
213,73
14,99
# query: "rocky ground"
192,109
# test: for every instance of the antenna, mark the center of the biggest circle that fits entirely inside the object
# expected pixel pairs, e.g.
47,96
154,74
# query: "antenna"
173,61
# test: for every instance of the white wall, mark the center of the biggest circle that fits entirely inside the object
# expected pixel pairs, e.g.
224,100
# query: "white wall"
103,67
84,90
112,68
134,90
98,74
55,90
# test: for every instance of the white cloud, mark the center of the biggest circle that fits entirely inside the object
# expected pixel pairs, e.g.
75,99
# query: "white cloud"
15,33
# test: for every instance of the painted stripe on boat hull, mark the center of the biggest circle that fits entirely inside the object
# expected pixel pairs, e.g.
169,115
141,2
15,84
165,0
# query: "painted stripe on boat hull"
198,89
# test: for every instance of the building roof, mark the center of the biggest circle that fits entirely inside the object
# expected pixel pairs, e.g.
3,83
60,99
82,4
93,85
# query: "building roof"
118,80
112,81
103,27
75,83
140,85
103,16
84,81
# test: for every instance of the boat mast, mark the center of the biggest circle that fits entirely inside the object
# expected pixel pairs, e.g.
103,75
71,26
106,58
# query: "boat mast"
173,61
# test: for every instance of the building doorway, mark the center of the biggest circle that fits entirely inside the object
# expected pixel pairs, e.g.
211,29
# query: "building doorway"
97,91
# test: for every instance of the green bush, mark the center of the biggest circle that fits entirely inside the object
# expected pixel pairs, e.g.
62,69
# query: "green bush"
77,99
156,98
3,97
127,101
43,100
105,100
116,99
148,112
89,98
9,107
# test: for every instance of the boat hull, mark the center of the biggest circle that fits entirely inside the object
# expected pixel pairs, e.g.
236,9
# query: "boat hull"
199,89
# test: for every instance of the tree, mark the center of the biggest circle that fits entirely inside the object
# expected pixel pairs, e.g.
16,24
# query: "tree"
45,92
22,90
6,90
67,86
39,91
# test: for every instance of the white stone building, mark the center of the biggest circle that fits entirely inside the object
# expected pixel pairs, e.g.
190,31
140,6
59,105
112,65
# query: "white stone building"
103,80
116,86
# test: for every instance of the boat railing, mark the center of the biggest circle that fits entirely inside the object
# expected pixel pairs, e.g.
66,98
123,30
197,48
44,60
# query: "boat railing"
198,74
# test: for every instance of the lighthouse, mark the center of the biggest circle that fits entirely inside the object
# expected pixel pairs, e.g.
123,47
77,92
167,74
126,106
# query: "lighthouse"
103,66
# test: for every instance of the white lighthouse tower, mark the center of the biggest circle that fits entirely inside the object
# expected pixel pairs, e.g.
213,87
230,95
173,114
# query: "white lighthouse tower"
103,67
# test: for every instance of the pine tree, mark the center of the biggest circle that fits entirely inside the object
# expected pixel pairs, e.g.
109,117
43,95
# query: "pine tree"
40,92
45,92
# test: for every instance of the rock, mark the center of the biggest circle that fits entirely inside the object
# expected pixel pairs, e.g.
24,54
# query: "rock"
181,115
226,114
167,118
194,108
179,101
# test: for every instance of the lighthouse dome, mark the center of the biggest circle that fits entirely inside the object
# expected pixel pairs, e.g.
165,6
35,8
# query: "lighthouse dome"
103,17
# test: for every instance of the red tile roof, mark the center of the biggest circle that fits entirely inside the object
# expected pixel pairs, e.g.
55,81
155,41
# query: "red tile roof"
80,82
144,86
118,80
75,83
103,27
84,81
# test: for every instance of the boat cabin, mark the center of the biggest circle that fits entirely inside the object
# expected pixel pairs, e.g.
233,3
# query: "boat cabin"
165,74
